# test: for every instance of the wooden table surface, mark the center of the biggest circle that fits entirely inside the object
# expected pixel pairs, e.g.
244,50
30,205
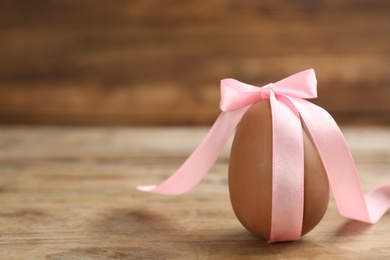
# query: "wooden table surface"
69,193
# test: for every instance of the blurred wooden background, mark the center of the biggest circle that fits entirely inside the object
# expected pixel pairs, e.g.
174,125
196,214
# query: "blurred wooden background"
148,62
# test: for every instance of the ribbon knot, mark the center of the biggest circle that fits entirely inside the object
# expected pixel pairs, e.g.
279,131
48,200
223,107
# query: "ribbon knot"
290,111
266,93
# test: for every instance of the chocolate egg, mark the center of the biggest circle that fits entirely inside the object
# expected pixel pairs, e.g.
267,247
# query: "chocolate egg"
250,174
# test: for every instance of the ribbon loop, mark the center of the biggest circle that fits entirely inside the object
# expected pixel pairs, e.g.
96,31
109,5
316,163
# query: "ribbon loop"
300,85
236,95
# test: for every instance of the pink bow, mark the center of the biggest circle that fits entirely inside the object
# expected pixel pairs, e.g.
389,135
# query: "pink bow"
288,109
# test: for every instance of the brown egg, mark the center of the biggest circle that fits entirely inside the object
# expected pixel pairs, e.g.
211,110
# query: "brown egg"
250,174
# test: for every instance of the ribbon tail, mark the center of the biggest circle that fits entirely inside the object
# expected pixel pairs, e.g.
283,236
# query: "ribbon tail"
203,157
340,167
287,171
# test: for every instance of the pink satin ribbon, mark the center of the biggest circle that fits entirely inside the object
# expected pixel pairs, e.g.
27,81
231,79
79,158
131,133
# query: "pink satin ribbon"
289,111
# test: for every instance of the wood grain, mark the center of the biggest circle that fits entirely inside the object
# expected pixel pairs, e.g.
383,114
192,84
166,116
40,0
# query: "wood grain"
144,62
68,193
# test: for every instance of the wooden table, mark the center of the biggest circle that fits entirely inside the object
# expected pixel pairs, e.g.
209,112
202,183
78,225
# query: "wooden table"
69,193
